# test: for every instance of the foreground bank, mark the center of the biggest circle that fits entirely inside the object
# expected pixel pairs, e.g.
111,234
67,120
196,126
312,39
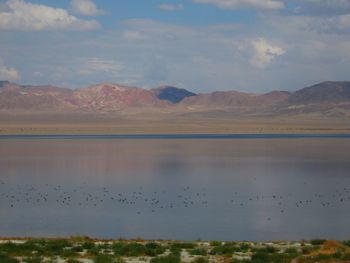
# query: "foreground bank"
83,249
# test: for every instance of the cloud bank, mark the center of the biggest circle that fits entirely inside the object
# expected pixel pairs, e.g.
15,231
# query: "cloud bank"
86,8
25,16
8,73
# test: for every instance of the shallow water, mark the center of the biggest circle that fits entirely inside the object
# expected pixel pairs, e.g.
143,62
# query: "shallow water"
184,188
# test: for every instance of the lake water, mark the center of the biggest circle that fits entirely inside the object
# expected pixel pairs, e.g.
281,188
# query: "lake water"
209,188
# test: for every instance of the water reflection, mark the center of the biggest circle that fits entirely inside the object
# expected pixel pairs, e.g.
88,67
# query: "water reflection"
178,189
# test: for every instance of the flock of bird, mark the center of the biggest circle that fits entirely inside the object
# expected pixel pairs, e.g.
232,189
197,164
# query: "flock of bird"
140,200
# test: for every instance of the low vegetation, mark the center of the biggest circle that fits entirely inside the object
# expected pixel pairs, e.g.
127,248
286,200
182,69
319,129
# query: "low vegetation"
86,250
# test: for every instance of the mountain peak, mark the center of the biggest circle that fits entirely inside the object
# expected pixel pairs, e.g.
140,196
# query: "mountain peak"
4,83
328,91
172,94
109,87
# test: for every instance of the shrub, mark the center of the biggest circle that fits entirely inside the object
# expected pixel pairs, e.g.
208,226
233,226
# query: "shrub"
129,250
166,259
77,249
291,250
260,257
184,245
154,249
244,247
175,251
34,260
88,245
268,250
198,251
225,249
119,260
6,259
347,243
317,242
104,259
215,243
200,260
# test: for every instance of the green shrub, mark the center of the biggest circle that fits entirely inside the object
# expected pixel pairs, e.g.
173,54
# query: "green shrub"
263,257
306,250
68,253
129,249
166,259
7,259
198,252
200,260
268,250
119,260
346,243
77,249
184,245
94,251
291,250
260,257
175,251
88,245
104,259
215,243
244,247
317,242
226,249
154,249
34,260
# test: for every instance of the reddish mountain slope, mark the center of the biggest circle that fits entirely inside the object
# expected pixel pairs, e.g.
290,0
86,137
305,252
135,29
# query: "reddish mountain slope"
229,99
111,97
330,98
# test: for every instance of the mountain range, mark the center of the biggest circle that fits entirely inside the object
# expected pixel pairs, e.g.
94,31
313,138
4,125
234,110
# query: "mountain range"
326,98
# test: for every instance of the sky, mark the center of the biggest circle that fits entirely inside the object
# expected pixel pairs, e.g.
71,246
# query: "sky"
200,45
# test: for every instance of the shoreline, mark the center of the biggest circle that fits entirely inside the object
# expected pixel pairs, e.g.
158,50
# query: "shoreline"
173,136
89,250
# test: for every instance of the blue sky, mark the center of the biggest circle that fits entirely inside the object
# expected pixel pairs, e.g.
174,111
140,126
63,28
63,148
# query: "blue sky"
191,13
201,45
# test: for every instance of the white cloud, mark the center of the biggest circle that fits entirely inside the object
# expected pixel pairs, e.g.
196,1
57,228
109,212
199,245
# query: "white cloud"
234,4
323,7
94,65
8,73
308,24
264,53
26,16
86,8
170,7
334,25
133,35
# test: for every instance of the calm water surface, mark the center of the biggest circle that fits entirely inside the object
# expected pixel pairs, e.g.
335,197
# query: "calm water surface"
207,188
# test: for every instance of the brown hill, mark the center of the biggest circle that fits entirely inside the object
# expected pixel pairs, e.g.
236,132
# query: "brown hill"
228,99
327,98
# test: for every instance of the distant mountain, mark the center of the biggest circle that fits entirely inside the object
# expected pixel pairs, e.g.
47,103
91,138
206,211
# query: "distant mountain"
329,98
112,97
325,92
229,99
99,98
172,94
39,98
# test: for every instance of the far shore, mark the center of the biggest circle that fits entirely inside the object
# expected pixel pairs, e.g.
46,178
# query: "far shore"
57,125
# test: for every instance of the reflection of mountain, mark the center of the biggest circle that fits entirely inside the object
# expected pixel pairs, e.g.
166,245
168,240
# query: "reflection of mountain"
328,98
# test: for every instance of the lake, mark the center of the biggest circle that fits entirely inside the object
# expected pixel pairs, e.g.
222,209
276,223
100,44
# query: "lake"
231,187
